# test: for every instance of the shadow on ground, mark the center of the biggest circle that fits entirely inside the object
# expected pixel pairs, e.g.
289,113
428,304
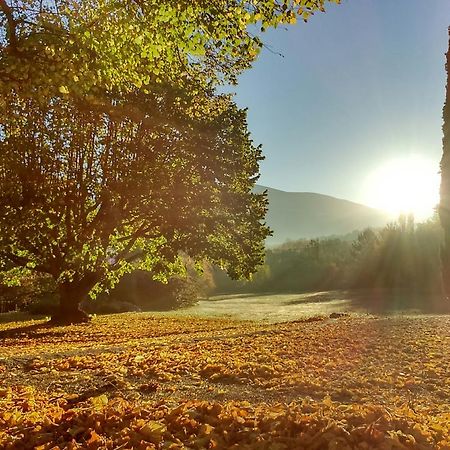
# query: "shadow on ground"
37,330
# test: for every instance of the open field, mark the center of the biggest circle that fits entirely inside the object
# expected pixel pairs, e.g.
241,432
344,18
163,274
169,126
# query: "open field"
148,381
274,308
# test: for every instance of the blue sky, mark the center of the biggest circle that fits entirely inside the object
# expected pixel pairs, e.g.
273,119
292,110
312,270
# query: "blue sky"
357,86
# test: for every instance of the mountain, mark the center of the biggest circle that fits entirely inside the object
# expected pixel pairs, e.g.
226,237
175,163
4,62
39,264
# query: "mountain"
297,215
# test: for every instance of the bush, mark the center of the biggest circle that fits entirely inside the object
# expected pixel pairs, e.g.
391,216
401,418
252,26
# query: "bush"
34,290
43,305
135,292
138,288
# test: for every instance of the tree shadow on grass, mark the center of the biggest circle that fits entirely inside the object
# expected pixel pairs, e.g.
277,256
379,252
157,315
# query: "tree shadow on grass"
319,297
380,301
37,330
225,296
400,301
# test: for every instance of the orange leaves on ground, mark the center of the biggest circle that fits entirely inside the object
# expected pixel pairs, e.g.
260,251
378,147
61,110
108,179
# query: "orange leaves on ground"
200,424
137,381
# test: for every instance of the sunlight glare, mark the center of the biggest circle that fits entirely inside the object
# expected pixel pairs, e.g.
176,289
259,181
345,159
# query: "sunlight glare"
404,186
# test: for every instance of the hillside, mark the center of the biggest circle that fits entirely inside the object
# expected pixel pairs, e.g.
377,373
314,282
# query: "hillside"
296,215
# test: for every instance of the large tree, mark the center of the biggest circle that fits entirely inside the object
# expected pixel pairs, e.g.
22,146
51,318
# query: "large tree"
88,194
116,150
444,206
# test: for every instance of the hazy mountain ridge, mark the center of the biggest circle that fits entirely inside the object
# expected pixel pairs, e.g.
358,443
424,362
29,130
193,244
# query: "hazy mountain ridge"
297,215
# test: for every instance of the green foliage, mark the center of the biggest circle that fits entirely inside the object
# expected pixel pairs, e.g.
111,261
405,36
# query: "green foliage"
90,194
34,293
116,152
79,47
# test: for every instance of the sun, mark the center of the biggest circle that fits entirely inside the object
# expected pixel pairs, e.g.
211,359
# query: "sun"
405,186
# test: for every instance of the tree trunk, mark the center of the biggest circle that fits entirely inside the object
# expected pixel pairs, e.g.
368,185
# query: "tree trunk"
444,206
71,294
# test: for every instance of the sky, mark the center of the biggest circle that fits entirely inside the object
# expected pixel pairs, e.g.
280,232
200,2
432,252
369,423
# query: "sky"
357,86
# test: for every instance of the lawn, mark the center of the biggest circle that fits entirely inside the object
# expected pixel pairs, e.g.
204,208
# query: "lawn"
152,381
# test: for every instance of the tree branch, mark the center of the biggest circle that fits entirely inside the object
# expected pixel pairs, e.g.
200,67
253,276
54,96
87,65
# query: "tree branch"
133,238
22,261
11,31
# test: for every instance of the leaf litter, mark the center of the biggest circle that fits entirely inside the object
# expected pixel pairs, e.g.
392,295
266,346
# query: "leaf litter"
137,381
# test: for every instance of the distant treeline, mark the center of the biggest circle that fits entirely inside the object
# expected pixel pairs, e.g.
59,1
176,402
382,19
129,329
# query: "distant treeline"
402,256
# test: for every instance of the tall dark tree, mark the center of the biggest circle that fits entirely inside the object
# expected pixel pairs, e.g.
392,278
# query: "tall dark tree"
444,206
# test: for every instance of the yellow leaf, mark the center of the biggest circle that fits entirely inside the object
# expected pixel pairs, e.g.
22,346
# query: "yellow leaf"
153,431
100,401
327,401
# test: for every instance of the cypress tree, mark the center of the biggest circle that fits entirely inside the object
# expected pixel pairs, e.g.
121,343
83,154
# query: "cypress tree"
444,206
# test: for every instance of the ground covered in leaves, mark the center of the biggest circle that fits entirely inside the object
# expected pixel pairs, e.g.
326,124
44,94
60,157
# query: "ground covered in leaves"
144,382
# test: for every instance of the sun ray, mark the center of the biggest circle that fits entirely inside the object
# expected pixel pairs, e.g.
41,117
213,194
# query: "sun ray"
404,186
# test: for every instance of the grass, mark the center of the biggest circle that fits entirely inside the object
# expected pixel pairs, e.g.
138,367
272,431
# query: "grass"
18,316
273,308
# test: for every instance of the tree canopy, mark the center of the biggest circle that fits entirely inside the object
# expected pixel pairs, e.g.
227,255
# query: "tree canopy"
88,195
117,151
80,46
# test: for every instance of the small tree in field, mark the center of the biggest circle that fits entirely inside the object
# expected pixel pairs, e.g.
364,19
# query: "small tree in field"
88,194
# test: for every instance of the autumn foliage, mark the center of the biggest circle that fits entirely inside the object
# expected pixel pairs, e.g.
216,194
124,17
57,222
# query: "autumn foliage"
143,382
